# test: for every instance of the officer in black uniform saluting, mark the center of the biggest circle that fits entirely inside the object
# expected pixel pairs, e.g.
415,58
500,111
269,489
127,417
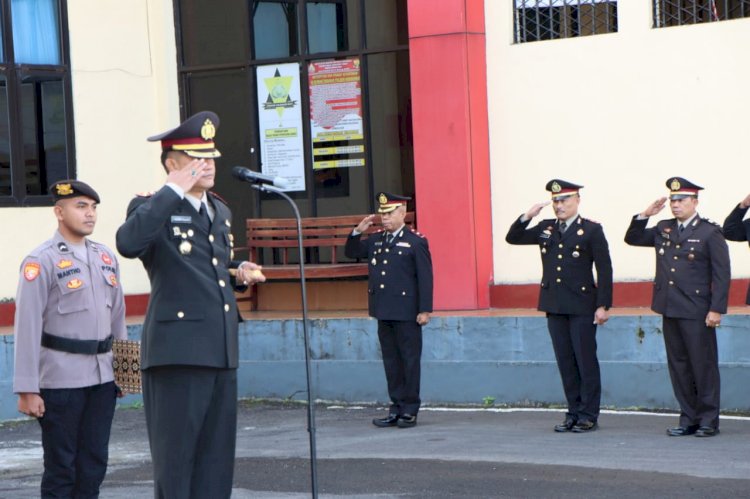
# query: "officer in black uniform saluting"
400,298
737,229
691,289
570,245
189,348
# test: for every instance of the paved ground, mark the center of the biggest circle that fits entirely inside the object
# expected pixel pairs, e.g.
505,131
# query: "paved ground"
451,453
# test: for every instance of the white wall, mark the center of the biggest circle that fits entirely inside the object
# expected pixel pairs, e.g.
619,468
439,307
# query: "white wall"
124,81
618,113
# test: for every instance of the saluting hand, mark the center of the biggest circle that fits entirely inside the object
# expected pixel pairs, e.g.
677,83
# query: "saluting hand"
365,223
31,404
654,207
745,203
534,210
187,177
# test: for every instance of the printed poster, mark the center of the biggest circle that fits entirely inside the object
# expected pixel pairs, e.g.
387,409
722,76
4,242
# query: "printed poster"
280,120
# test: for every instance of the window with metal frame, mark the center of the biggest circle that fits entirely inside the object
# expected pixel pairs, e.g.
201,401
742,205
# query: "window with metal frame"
680,12
536,20
36,124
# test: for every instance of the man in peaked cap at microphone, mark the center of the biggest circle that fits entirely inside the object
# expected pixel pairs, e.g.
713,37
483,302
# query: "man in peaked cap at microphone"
400,298
189,350
575,304
691,290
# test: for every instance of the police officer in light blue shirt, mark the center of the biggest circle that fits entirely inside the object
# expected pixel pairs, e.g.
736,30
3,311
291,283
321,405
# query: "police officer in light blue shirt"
69,308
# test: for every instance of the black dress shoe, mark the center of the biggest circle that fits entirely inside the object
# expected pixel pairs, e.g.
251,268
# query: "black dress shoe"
584,426
391,420
407,421
566,425
706,431
682,431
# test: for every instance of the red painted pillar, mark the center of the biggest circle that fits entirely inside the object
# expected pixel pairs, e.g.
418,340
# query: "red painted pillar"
451,149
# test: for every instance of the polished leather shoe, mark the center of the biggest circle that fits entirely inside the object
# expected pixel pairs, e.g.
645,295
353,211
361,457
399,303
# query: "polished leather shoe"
391,420
407,421
706,431
682,431
566,425
584,426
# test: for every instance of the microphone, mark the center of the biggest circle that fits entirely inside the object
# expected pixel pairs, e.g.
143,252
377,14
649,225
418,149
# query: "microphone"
247,175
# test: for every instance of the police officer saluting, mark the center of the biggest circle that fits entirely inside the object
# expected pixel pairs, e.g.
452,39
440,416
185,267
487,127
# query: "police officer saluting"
400,298
189,351
737,229
69,308
570,245
691,289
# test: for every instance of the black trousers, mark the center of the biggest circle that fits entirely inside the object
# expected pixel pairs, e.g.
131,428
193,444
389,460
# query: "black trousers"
75,439
191,416
693,361
401,346
574,342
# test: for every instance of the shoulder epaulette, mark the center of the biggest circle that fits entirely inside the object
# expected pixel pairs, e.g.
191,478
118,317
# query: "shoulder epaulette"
212,193
590,220
711,222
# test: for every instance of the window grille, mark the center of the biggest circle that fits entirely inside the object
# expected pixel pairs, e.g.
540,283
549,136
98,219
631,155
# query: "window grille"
679,12
550,19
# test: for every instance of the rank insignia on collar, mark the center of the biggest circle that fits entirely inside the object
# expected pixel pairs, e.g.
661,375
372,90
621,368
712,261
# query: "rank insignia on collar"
74,284
62,246
31,271
64,264
106,259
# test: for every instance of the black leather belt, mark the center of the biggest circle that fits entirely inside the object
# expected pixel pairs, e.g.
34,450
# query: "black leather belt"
70,345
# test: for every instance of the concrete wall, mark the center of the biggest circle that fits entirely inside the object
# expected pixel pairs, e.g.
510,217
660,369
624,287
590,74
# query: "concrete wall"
618,113
464,360
124,79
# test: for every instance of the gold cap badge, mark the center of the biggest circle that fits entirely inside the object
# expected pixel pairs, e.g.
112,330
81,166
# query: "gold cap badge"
64,189
556,187
382,199
674,185
208,130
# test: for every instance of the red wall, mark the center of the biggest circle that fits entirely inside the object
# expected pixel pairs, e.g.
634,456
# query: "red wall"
451,148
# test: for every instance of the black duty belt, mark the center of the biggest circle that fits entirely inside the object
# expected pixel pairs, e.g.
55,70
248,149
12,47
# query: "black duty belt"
70,345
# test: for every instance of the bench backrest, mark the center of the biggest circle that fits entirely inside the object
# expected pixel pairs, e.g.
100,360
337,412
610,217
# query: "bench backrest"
317,232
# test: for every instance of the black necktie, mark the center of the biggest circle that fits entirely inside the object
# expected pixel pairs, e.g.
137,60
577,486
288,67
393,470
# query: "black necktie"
682,227
389,238
563,226
204,215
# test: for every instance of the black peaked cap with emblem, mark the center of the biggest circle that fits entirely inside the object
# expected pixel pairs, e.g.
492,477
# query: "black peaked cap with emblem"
69,188
680,188
388,202
194,136
562,188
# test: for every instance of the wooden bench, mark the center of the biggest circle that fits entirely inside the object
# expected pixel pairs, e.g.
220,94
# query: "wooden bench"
272,242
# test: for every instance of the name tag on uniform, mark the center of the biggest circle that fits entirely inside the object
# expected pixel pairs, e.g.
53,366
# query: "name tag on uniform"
181,219
693,240
545,235
405,245
378,243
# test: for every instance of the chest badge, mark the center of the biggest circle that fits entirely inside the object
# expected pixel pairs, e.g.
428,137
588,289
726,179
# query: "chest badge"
661,251
580,232
186,247
64,264
113,280
106,259
74,284
544,251
691,257
576,254
373,261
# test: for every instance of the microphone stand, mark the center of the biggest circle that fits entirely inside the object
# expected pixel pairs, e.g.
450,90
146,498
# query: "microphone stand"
310,399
